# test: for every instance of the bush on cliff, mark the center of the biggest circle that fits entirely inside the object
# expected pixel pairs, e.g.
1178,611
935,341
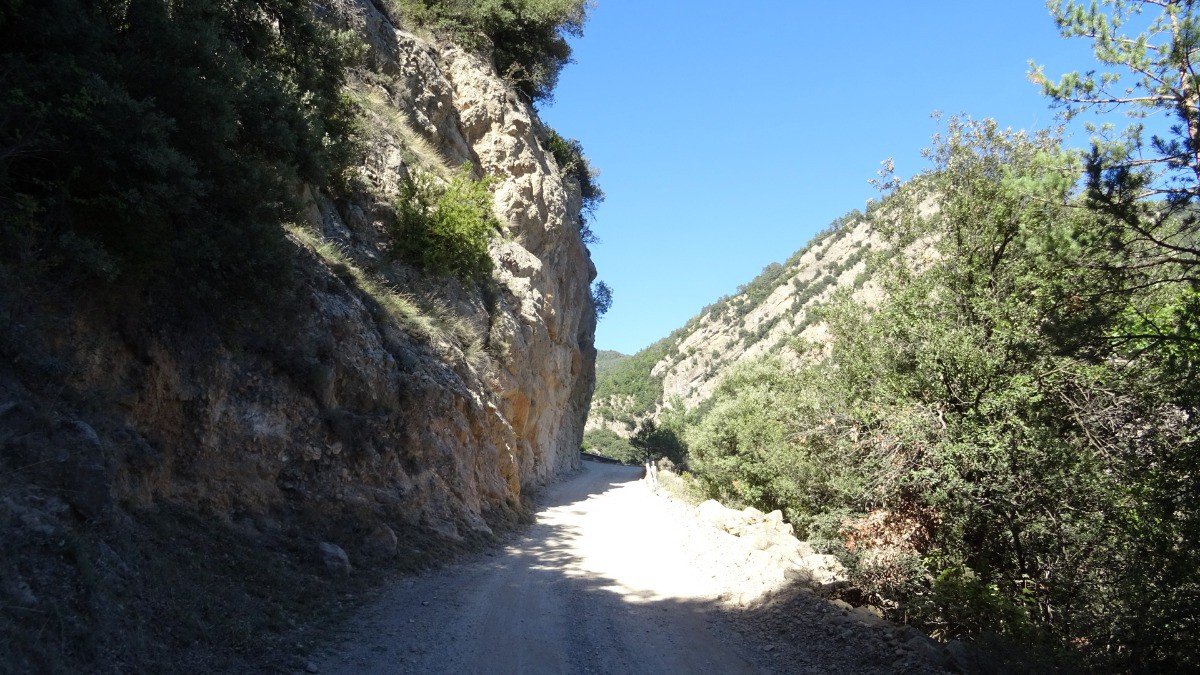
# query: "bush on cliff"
528,37
445,229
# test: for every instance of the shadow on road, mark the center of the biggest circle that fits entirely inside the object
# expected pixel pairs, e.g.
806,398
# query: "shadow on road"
611,579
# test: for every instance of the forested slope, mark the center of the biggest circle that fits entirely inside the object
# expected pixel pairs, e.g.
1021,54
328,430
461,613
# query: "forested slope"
1001,442
765,316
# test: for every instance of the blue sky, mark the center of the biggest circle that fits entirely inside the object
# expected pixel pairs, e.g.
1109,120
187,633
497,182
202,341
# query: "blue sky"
728,134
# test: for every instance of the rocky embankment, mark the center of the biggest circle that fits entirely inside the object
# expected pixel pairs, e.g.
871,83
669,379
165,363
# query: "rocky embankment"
772,547
324,419
786,600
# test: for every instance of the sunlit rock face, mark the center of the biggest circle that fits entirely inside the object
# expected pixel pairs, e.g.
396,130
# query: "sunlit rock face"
771,315
331,408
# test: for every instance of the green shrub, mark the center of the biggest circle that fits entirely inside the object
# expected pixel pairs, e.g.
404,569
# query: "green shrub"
960,604
568,152
159,143
575,166
764,441
445,229
528,37
602,298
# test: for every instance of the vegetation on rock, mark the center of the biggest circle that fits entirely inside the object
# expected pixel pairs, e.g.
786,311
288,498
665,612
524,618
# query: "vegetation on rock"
445,229
575,165
528,38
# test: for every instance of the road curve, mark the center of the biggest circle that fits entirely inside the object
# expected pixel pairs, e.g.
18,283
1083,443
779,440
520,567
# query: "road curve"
602,583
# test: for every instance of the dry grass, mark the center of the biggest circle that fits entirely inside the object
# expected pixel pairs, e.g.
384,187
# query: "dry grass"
399,306
684,487
385,124
462,332
451,334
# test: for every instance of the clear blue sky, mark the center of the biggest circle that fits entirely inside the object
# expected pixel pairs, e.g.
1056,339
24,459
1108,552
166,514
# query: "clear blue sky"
729,133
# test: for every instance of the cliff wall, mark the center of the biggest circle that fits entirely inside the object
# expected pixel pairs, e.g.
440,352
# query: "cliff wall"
189,484
331,404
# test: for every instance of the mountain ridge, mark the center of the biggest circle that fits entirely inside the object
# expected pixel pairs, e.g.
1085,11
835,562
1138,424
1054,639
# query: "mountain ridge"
765,316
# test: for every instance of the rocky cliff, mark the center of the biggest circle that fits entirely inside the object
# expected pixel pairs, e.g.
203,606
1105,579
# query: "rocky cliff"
373,400
339,402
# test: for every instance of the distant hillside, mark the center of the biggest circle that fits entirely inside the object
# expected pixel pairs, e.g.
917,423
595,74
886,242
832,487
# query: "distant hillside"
607,360
765,316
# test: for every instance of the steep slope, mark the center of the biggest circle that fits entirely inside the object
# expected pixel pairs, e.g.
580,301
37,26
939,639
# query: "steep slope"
607,359
765,316
372,405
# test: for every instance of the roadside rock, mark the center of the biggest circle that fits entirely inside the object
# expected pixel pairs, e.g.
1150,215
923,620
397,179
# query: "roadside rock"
792,559
966,657
381,542
335,558
925,648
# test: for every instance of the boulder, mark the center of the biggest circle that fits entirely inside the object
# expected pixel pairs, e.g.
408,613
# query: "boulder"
760,540
335,558
753,515
380,542
966,657
722,517
926,649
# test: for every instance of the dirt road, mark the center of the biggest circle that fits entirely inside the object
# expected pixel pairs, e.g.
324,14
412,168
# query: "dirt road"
612,578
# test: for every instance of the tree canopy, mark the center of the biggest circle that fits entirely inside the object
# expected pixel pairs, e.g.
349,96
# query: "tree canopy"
527,38
162,140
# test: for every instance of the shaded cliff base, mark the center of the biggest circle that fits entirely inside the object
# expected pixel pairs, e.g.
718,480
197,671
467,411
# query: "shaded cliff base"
123,552
174,589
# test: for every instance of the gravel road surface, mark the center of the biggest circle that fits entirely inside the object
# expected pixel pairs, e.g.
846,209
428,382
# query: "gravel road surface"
612,578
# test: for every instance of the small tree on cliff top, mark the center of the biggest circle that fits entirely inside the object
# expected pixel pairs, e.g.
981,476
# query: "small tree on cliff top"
528,38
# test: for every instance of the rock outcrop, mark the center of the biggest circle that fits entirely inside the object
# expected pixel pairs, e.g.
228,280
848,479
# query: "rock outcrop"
764,317
774,542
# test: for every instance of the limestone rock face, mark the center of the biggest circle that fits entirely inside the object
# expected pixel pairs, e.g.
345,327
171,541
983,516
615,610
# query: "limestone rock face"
330,406
763,318
696,375
550,320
